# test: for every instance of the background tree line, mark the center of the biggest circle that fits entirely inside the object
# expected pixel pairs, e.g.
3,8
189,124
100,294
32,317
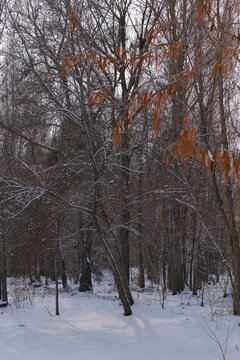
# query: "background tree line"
119,142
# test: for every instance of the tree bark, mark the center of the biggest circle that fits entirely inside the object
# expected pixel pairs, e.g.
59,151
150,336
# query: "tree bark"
62,266
56,278
4,268
86,272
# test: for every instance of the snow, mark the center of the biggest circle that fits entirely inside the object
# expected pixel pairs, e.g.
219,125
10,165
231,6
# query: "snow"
3,303
92,326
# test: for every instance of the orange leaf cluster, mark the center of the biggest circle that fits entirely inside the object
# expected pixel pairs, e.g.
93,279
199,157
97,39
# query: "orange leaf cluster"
154,103
120,59
151,35
92,57
69,62
96,58
98,97
121,124
222,27
73,21
202,8
116,135
186,144
225,163
150,102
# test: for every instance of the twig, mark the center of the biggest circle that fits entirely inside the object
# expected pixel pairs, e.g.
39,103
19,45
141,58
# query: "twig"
214,338
48,311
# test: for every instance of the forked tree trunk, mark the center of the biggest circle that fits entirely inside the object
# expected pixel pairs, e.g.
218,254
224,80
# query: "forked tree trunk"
115,263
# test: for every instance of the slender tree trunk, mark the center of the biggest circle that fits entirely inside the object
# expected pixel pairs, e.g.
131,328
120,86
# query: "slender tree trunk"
46,269
84,249
86,272
62,266
37,271
196,243
125,216
4,268
140,259
236,272
56,278
0,284
140,240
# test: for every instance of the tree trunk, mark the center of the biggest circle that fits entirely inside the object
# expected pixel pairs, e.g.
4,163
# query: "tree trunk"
236,273
62,266
56,278
46,269
115,263
4,269
140,240
141,280
86,272
125,216
195,268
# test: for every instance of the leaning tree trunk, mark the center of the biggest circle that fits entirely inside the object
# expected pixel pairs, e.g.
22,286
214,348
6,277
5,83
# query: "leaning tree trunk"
113,256
118,275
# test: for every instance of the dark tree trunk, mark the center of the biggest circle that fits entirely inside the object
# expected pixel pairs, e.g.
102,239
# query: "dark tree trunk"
0,285
176,274
56,278
178,110
46,269
125,216
62,267
37,272
195,267
141,279
86,271
115,262
141,264
4,293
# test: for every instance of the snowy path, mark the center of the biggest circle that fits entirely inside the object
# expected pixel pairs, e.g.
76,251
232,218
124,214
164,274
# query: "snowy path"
91,327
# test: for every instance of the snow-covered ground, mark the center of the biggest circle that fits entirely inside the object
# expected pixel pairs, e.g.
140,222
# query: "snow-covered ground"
91,326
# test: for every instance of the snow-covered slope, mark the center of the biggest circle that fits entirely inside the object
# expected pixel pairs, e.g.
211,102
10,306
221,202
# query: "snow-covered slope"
91,326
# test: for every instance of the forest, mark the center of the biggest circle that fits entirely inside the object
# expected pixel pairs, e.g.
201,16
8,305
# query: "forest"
119,141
